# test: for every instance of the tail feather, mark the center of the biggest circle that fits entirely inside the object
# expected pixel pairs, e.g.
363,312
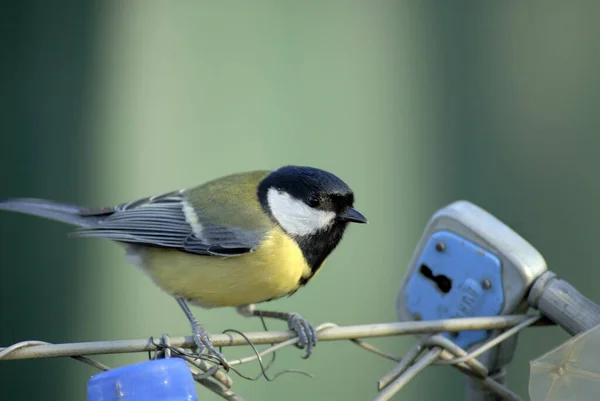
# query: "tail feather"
64,213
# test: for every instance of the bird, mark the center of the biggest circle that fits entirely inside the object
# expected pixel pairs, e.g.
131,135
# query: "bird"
235,241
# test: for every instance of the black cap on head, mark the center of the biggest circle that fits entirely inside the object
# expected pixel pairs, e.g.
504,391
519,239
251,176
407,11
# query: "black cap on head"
315,187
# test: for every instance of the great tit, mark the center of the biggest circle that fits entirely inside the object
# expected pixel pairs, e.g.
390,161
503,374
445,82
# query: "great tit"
235,241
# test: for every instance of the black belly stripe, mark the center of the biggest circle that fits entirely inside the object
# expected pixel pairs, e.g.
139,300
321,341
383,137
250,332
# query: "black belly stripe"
317,247
303,281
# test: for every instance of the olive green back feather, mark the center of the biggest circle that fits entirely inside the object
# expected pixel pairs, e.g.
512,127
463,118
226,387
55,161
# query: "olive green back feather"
231,201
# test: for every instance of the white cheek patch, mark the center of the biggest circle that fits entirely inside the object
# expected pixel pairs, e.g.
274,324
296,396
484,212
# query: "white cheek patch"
295,216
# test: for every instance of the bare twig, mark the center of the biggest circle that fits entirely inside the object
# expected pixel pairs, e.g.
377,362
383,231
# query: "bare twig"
442,350
269,337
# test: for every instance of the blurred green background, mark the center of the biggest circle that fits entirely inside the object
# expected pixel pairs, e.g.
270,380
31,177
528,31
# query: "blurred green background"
414,104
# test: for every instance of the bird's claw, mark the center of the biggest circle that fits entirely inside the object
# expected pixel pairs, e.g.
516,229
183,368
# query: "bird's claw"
203,342
307,335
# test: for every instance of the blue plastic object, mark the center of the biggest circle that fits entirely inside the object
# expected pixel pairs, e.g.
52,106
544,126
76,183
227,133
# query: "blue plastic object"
455,278
157,380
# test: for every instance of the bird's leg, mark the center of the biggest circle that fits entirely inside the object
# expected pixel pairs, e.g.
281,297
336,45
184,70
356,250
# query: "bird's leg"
307,335
201,337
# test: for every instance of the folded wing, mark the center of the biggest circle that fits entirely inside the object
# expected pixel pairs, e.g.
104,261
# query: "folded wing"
160,221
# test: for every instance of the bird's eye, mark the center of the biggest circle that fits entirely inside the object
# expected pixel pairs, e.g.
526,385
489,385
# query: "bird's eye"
313,201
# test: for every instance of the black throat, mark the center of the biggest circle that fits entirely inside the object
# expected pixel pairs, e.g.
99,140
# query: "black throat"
317,247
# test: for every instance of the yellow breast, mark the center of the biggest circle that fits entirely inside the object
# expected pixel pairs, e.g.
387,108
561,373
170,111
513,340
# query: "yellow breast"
272,271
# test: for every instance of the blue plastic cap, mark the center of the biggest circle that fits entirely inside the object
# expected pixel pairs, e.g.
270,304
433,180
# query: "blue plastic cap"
157,380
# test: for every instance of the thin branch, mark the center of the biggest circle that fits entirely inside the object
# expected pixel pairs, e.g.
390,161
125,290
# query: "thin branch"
269,337
218,382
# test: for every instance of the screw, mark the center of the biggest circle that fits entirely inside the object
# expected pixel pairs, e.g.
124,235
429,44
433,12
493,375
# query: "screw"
417,316
440,247
486,284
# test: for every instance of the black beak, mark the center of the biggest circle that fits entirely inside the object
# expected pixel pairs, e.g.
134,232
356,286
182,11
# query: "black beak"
353,216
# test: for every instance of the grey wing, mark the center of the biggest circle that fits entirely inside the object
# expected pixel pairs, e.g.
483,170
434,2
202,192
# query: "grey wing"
161,222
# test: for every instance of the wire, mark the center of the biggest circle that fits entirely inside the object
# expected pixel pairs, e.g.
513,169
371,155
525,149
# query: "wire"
47,350
442,350
493,342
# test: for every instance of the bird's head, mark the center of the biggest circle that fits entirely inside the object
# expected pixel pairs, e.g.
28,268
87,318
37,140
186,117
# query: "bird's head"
307,201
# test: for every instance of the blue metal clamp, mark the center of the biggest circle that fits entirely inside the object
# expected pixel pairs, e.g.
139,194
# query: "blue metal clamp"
455,278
